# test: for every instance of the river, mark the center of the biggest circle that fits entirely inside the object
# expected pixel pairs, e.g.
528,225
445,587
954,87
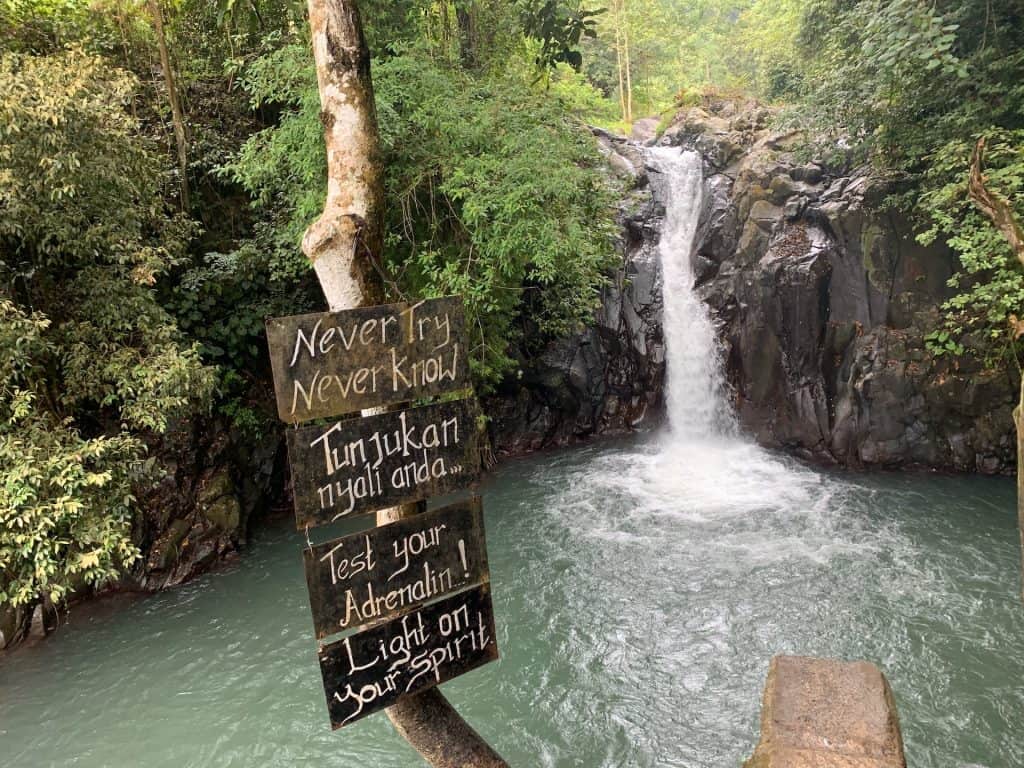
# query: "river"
641,587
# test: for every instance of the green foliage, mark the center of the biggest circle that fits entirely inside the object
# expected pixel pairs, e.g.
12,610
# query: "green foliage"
493,192
559,27
910,86
65,502
991,281
284,167
690,45
89,358
940,343
885,73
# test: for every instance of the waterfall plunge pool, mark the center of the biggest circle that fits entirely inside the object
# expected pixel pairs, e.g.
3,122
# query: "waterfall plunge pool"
640,590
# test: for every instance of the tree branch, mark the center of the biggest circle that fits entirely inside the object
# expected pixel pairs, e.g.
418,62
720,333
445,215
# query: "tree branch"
994,205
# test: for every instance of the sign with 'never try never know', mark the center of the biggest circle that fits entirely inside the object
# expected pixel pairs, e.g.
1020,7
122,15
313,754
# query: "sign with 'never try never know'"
331,363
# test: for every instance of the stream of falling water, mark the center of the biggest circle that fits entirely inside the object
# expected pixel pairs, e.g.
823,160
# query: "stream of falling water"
695,392
640,589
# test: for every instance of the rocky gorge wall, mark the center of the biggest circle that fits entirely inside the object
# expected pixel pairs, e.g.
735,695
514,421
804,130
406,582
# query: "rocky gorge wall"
821,299
607,379
215,481
821,302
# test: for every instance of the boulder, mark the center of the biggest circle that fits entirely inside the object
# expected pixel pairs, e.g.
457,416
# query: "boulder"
823,713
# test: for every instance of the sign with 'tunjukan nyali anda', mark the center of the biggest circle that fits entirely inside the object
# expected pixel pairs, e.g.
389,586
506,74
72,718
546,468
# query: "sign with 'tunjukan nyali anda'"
412,598
348,468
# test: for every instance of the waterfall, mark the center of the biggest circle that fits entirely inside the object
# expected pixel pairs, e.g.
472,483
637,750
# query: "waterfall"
695,389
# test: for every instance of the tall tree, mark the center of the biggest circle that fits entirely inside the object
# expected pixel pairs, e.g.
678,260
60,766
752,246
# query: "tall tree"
345,246
174,99
996,208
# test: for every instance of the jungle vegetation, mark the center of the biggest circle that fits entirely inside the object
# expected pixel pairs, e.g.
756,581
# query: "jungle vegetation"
160,159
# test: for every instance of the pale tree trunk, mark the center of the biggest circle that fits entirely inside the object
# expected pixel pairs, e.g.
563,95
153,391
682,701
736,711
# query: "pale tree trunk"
173,97
629,77
999,211
344,245
618,58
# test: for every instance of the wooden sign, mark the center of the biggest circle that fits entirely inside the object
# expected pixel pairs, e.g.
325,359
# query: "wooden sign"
331,363
367,672
375,575
361,465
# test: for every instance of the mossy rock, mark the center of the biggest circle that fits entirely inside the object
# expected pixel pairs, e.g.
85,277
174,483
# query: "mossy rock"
165,551
218,502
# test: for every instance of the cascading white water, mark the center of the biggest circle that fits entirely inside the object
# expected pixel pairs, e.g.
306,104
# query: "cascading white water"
703,460
694,391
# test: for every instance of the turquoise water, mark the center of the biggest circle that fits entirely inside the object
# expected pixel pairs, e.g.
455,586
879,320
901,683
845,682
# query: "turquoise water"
639,593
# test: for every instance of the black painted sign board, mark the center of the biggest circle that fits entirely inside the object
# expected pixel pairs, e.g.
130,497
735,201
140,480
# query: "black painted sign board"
366,672
357,466
375,575
332,363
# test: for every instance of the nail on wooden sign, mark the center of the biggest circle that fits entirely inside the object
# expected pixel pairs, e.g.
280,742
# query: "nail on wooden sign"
367,672
375,575
357,466
331,363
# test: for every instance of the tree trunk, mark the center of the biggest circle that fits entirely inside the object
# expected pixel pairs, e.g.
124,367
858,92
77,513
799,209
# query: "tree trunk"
1018,420
173,97
1000,212
618,59
465,17
626,56
344,245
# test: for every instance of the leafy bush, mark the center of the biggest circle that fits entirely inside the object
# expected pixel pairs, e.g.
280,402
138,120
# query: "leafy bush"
910,86
991,281
493,192
89,361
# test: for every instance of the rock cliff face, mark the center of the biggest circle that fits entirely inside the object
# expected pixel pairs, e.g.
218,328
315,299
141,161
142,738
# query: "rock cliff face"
608,378
822,300
215,480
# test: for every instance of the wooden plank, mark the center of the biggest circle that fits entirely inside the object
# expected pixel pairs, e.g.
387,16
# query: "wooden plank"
331,363
357,466
371,670
373,576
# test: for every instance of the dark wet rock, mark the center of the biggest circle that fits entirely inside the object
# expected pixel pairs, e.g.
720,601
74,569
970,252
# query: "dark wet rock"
215,481
607,379
822,300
